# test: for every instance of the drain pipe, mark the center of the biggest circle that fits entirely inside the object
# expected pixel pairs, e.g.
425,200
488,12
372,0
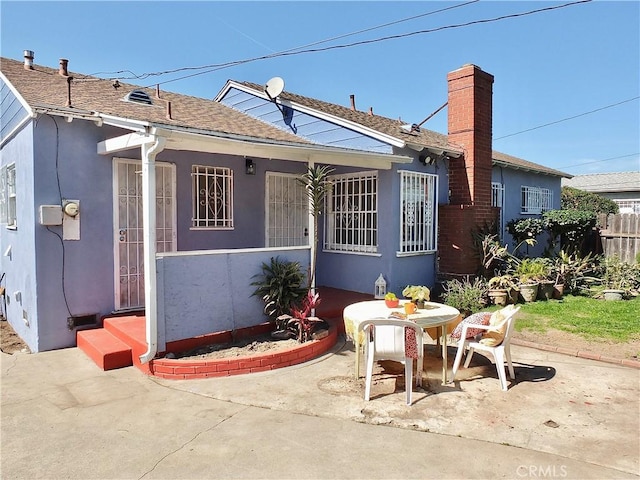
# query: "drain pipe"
149,152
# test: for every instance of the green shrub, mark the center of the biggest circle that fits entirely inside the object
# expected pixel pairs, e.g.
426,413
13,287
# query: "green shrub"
574,199
523,229
466,295
569,227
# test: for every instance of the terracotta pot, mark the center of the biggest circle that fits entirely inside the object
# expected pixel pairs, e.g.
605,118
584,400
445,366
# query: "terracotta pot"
498,296
545,290
558,291
529,291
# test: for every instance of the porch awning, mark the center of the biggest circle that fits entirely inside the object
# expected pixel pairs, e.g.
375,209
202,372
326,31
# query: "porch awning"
208,142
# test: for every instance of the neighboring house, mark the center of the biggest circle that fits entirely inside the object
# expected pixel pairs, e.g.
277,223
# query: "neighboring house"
79,156
621,187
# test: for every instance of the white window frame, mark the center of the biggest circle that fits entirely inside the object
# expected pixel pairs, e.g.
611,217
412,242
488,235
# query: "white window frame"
351,221
497,200
631,204
3,195
418,213
212,198
535,200
9,193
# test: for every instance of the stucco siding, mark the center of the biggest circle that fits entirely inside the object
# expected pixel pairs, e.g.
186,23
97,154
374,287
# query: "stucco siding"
205,292
17,245
75,277
513,181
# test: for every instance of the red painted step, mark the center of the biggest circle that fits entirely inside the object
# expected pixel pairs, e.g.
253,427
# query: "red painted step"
107,351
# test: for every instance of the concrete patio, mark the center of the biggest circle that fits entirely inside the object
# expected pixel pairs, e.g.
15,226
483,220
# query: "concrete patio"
563,417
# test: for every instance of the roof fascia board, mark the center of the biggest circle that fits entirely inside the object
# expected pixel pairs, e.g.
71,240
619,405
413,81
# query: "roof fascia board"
178,140
513,166
225,90
393,141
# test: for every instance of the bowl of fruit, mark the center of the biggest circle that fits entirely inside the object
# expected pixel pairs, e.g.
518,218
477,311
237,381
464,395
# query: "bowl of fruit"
391,300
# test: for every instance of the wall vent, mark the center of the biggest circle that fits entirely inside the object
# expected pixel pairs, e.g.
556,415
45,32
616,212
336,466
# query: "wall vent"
138,96
82,320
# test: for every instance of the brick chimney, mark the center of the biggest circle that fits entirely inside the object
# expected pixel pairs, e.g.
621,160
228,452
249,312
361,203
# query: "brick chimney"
470,128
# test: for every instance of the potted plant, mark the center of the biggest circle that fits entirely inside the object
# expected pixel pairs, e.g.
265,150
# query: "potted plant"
530,271
502,289
618,278
391,300
546,279
417,293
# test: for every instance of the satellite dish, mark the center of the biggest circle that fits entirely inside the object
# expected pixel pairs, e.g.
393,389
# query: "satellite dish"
274,87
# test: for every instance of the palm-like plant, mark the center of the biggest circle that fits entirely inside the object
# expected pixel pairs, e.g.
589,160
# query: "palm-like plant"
280,286
317,185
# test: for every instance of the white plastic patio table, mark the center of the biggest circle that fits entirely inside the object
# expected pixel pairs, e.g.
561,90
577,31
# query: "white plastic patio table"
433,315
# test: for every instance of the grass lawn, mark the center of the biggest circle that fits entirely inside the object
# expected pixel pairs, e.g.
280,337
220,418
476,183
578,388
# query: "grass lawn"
618,321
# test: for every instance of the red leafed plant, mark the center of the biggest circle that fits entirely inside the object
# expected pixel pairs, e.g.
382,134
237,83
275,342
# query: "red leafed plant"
302,321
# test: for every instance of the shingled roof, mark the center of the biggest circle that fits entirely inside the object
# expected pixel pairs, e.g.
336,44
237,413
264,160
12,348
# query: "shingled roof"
611,182
45,88
425,138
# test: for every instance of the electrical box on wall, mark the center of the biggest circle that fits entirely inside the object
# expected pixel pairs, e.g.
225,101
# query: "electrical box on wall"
71,219
50,214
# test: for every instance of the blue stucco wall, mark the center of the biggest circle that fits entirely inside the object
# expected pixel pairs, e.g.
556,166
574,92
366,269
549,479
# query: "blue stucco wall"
358,272
206,292
19,266
74,277
249,199
513,180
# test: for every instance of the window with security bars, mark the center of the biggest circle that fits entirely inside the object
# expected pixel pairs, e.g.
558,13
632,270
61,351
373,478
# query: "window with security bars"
351,223
418,200
212,197
536,200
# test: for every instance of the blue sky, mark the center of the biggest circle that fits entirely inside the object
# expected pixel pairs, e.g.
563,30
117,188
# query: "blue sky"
548,66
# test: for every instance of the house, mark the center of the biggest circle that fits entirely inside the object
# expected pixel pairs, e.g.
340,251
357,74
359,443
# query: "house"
82,156
621,187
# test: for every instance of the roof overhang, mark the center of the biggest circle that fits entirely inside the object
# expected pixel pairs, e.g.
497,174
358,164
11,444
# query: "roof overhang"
216,142
513,166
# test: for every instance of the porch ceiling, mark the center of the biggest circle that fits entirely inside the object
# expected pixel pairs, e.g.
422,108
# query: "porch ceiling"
235,145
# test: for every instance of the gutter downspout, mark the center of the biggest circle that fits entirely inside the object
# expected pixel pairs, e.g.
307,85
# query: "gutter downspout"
149,152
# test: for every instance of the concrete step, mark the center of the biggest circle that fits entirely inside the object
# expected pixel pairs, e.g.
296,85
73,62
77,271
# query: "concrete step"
106,350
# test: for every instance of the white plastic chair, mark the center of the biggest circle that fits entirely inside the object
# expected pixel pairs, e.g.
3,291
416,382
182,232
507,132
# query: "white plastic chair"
499,351
385,340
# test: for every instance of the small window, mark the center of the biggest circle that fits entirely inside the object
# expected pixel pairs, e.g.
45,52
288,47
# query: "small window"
8,194
212,197
351,223
138,96
497,200
536,200
418,200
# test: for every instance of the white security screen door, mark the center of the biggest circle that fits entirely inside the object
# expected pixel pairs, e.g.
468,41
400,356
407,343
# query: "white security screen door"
287,216
128,241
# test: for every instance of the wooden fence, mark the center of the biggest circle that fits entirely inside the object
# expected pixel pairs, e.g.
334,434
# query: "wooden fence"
620,235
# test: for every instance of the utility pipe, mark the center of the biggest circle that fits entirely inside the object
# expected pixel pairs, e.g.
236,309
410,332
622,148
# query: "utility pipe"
149,151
